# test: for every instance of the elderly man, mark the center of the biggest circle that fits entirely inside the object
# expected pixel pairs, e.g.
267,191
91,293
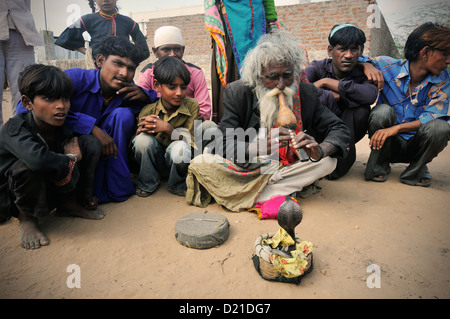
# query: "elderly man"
249,172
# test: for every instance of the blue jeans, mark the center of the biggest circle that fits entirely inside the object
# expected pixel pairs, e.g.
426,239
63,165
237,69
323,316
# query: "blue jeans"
156,162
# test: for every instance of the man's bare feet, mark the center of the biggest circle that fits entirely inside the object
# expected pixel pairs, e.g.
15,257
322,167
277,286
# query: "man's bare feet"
30,236
80,211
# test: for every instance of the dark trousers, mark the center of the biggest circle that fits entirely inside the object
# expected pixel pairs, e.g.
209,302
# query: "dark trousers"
357,121
36,194
430,139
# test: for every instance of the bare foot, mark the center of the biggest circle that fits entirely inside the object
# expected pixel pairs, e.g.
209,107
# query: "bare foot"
30,236
80,211
90,203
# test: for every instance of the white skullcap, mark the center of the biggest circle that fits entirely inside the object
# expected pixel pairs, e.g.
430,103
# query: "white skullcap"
167,35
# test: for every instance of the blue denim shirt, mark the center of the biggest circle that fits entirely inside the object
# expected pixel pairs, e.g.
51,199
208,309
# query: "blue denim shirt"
428,101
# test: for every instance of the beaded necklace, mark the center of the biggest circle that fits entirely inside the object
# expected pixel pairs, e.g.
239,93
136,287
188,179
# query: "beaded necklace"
108,16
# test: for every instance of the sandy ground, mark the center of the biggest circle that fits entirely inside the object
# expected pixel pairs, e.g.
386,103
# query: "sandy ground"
133,253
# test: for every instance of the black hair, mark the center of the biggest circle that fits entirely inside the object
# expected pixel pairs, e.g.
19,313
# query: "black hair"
92,5
428,34
347,36
168,68
46,80
94,8
120,46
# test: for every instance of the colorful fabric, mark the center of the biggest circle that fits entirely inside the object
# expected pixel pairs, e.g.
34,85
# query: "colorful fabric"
269,208
245,22
232,186
213,23
287,154
289,267
428,101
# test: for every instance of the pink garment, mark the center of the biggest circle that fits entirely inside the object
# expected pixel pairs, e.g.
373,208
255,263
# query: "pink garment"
269,208
196,89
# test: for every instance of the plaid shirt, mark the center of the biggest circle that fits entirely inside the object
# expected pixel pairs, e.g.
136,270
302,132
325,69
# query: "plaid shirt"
428,101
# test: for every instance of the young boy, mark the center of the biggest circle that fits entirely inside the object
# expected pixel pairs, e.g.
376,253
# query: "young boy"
105,103
43,165
157,147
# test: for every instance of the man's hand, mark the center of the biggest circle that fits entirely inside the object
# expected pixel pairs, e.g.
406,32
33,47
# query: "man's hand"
308,143
133,92
108,146
277,137
373,74
379,137
331,85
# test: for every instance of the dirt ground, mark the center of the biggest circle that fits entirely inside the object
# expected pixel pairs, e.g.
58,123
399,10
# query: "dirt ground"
132,253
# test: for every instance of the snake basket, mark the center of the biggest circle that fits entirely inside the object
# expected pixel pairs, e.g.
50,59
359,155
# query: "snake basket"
265,268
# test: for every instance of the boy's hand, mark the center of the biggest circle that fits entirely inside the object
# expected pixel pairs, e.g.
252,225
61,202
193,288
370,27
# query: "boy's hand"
108,146
152,124
72,147
133,92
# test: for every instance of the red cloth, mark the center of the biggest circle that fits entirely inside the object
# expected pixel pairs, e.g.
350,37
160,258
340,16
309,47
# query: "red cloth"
288,154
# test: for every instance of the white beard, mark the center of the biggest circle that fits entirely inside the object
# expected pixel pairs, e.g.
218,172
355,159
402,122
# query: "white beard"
269,103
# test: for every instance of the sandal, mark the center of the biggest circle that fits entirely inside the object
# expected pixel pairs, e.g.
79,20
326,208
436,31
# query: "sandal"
141,193
425,179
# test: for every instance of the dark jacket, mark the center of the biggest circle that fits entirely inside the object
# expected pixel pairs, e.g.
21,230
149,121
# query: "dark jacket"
355,90
241,111
20,140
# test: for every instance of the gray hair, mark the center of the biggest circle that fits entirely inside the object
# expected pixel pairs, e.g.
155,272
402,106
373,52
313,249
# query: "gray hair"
278,47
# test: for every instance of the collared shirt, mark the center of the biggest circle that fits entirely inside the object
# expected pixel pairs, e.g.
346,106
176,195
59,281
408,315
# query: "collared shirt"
87,101
182,119
197,87
18,12
428,101
354,90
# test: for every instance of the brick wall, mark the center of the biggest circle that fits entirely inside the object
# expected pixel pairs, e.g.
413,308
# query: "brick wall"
310,22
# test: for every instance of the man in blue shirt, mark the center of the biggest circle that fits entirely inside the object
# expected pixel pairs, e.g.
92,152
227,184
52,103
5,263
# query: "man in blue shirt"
412,127
105,103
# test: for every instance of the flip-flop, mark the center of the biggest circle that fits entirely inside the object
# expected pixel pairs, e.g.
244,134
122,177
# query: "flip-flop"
141,193
425,175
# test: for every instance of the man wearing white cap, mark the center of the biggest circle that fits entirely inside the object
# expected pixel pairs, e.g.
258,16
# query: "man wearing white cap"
168,41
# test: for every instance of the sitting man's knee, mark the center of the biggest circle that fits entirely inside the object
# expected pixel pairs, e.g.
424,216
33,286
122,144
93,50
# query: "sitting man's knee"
381,116
436,129
180,152
144,142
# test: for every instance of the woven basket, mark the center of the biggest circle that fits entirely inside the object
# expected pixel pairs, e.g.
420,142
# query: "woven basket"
267,270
